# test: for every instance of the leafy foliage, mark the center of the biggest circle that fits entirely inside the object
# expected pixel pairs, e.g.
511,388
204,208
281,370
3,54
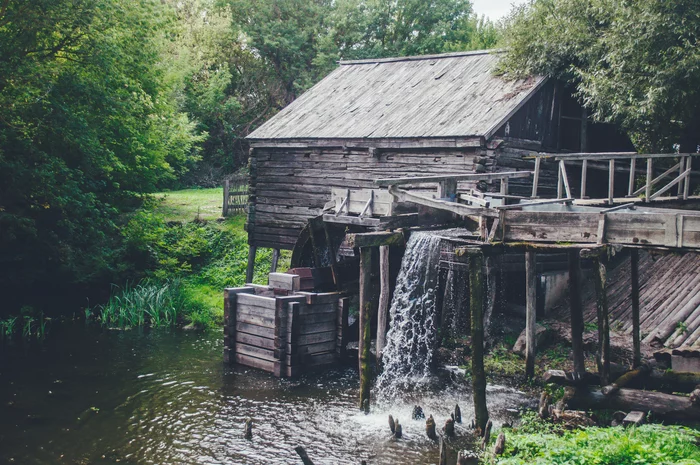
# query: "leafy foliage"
633,62
537,442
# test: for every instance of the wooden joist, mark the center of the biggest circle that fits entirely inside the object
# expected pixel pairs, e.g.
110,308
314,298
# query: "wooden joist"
375,239
459,177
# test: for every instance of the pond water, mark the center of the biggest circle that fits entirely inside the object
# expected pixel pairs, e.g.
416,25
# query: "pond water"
91,396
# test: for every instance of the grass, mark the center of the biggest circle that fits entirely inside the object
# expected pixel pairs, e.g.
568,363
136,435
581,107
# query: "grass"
188,204
536,442
155,304
201,257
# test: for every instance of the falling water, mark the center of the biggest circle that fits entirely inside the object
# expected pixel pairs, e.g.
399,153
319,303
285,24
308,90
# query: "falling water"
411,339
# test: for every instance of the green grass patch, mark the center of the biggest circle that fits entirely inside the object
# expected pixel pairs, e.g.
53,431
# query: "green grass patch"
190,204
539,443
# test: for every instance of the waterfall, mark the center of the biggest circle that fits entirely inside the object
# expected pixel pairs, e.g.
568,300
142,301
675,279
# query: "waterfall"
411,339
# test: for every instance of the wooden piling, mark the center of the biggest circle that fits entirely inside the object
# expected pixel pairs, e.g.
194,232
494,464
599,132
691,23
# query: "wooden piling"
365,325
531,312
576,311
252,251
636,336
383,315
476,304
600,278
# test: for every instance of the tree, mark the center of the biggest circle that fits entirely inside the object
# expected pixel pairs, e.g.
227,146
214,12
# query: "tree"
86,127
633,62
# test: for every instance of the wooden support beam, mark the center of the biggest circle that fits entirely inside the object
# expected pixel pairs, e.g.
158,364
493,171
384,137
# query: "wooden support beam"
275,260
657,179
456,177
375,239
633,170
565,178
476,305
636,329
576,311
453,207
584,178
536,178
686,184
366,307
681,168
668,186
224,210
531,312
600,281
535,203
650,174
611,182
383,310
252,251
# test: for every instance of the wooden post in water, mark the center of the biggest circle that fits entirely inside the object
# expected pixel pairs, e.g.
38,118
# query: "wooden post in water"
365,325
476,305
576,311
252,250
531,312
600,278
636,336
383,315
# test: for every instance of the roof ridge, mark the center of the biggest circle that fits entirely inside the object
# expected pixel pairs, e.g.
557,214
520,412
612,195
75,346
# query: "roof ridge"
439,56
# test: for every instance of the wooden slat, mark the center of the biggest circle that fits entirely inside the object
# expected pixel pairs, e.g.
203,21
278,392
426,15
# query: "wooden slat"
257,301
255,330
257,352
456,177
254,362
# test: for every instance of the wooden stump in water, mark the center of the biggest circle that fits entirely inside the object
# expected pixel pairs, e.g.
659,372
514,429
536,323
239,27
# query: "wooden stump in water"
430,428
392,424
302,454
543,410
467,457
500,446
458,414
417,413
248,429
398,429
487,434
449,428
443,452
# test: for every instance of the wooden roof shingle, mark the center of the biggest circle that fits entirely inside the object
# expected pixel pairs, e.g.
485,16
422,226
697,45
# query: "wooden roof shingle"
449,95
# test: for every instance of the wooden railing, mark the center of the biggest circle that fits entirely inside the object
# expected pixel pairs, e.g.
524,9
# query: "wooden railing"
614,159
235,195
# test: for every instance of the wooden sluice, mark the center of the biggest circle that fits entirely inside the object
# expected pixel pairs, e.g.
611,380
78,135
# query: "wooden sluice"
282,330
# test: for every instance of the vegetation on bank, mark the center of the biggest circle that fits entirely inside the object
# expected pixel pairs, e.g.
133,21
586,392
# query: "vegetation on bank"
536,442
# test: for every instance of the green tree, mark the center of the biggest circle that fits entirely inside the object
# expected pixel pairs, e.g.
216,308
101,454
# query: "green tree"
632,62
87,126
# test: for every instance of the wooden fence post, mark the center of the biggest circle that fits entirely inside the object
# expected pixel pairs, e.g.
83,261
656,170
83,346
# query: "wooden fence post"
252,251
226,196
576,311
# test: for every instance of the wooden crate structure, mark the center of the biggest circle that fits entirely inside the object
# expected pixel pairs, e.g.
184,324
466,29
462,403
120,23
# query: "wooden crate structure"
283,334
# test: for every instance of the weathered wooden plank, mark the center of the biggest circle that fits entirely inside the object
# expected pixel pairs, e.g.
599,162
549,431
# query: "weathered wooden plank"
257,352
321,347
288,282
256,341
306,328
455,177
266,322
256,301
255,330
255,362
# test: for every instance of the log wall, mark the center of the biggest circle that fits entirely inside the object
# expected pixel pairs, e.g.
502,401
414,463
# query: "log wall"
288,186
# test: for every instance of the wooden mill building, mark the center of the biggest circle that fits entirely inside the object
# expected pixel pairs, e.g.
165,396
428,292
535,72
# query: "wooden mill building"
411,116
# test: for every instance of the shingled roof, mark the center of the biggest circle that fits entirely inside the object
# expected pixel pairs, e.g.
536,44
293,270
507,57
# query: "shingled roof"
448,95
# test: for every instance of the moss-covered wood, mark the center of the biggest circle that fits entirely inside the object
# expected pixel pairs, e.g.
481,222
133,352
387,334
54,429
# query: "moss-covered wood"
476,303
366,310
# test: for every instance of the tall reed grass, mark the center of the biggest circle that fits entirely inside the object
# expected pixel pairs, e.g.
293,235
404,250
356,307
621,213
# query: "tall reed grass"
149,303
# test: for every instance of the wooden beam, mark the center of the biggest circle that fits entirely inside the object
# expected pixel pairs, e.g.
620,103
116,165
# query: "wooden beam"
531,312
576,307
668,186
383,310
252,251
536,178
375,239
633,170
456,177
617,155
565,179
600,281
636,329
476,305
366,305
584,178
611,182
538,202
275,260
453,207
650,173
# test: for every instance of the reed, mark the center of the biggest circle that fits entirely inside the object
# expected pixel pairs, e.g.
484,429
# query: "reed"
149,303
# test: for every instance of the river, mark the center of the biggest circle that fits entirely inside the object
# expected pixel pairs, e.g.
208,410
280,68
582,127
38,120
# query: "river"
94,396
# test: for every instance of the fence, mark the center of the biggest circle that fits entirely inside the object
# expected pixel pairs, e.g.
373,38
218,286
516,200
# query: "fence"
235,195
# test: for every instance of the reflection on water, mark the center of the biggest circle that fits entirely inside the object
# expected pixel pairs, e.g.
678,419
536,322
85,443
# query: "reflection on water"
164,397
